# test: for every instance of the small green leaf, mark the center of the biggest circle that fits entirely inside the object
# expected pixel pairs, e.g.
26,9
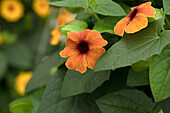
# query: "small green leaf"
136,47
125,101
21,106
141,65
42,73
106,24
159,14
76,26
159,75
161,111
70,3
108,8
8,38
3,64
138,78
76,83
166,4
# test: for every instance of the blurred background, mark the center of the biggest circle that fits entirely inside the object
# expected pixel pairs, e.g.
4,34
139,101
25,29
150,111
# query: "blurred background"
28,35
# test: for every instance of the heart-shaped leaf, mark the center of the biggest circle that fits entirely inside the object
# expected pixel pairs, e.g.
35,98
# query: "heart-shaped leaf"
136,47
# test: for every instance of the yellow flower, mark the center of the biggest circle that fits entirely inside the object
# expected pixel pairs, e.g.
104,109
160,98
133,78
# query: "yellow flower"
21,81
41,7
11,10
64,17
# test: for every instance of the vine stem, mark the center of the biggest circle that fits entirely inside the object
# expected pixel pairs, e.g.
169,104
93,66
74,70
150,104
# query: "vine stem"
96,16
167,21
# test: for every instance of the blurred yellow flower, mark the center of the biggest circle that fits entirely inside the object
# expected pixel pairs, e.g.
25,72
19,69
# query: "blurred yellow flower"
41,7
11,10
55,36
21,81
64,17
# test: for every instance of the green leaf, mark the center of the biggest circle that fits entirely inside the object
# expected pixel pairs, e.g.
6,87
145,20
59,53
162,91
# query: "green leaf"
8,38
3,64
70,3
136,47
5,99
83,15
52,102
126,8
42,73
19,55
141,65
21,106
117,81
159,75
108,8
125,101
138,78
77,83
156,109
166,4
161,111
106,24
35,98
165,105
159,14
76,26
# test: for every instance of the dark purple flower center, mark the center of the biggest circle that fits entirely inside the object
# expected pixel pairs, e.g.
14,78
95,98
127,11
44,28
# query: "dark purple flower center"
133,13
83,47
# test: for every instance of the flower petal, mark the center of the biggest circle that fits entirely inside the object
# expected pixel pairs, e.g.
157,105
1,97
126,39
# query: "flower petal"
146,9
60,20
120,26
70,49
75,36
139,22
93,55
94,38
68,17
141,5
55,37
77,62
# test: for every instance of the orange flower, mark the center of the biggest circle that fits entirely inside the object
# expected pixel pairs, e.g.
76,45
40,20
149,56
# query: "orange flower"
63,18
83,49
21,82
136,20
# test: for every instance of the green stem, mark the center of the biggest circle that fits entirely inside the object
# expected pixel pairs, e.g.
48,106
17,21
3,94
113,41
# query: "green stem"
163,29
96,16
167,21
